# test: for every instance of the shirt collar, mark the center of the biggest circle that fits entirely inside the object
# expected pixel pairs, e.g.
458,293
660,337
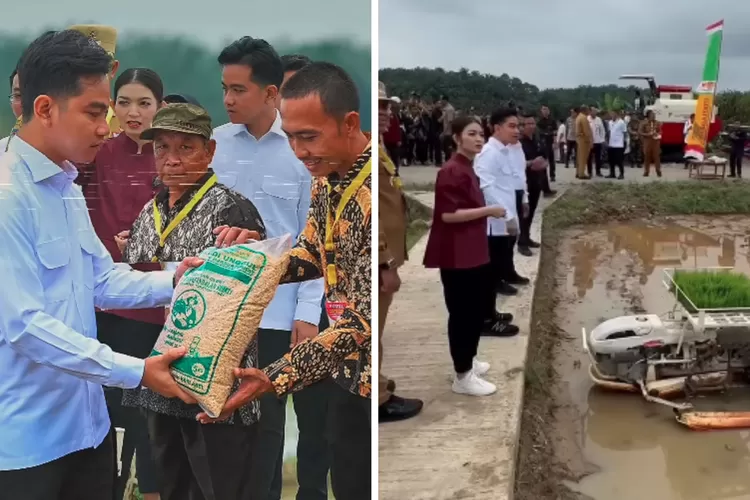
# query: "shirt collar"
162,197
462,160
337,182
505,147
276,129
41,167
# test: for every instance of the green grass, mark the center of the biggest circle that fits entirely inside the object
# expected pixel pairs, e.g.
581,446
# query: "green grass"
713,290
419,216
606,202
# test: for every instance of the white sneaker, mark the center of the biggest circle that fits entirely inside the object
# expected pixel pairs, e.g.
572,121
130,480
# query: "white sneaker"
480,367
472,385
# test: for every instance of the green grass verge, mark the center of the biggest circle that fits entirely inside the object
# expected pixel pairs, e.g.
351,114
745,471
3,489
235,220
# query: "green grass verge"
419,216
539,474
712,290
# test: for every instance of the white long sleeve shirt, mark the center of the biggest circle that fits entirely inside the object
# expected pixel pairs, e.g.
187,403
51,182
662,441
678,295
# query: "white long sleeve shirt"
498,172
597,128
617,132
561,133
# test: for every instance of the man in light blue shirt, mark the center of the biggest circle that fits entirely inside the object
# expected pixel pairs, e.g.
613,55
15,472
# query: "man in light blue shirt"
56,440
254,158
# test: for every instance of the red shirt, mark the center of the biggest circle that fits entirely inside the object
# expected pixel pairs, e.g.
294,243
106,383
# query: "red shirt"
392,136
116,187
460,245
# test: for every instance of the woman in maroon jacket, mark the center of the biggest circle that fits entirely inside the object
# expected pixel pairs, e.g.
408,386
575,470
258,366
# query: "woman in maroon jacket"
120,181
458,246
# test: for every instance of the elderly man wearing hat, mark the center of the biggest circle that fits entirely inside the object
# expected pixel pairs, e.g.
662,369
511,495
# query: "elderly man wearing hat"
106,37
193,460
392,254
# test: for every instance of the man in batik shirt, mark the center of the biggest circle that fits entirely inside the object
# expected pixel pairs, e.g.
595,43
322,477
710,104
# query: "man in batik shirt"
320,112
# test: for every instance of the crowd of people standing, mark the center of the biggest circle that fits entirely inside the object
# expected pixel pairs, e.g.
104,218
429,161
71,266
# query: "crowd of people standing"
105,202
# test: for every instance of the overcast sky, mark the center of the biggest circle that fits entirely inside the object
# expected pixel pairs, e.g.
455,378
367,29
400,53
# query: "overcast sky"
212,22
561,43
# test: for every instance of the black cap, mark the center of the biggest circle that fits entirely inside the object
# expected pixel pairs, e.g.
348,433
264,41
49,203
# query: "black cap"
181,98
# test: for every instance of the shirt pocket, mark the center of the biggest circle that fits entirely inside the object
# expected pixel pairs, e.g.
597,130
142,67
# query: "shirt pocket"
54,256
279,200
229,179
87,240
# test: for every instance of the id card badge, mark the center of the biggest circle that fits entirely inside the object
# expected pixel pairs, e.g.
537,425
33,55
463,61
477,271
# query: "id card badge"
335,309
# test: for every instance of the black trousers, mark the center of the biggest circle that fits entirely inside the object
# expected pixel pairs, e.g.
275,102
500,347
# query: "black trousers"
571,153
437,149
467,293
350,423
735,160
536,181
502,267
311,407
134,338
448,145
595,159
202,462
420,151
84,475
616,158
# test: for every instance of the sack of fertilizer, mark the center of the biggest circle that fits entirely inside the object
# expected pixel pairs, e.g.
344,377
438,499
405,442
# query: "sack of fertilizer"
215,313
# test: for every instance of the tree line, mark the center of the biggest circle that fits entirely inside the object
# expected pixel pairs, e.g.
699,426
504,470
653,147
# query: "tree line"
483,92
188,67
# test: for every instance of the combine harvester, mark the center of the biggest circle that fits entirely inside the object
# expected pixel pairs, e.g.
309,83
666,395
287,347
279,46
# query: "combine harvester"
673,105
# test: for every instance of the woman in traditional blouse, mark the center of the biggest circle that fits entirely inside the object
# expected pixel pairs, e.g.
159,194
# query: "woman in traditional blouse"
458,247
116,185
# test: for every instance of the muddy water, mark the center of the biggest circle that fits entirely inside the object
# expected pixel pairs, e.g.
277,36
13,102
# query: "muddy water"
618,446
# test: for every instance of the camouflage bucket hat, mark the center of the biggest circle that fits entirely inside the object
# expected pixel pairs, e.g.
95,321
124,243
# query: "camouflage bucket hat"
180,117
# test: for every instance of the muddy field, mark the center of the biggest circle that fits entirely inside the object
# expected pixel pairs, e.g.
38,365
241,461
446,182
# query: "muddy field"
616,446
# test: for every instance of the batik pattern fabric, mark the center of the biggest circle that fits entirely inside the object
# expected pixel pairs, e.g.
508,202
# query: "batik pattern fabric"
218,207
343,351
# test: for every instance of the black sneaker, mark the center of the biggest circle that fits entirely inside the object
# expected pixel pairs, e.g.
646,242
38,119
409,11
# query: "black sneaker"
525,251
397,408
530,244
500,329
551,193
505,289
504,317
518,280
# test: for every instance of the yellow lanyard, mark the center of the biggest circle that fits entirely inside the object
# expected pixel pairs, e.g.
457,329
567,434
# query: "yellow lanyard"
13,132
180,215
390,168
332,219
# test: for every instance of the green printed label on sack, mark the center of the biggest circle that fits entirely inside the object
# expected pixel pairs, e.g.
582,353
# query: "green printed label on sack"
201,317
188,310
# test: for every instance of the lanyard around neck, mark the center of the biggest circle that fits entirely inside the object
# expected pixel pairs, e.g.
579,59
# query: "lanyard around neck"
163,235
332,218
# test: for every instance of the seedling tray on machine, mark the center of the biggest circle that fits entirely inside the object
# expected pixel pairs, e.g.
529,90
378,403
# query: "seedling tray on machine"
723,301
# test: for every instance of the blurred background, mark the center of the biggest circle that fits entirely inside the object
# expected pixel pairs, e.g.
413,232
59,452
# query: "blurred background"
181,41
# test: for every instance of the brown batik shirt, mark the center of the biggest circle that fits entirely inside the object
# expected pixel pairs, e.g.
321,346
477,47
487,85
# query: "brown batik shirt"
219,206
343,350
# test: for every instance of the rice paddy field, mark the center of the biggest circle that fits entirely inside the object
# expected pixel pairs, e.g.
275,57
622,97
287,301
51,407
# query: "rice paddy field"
715,289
